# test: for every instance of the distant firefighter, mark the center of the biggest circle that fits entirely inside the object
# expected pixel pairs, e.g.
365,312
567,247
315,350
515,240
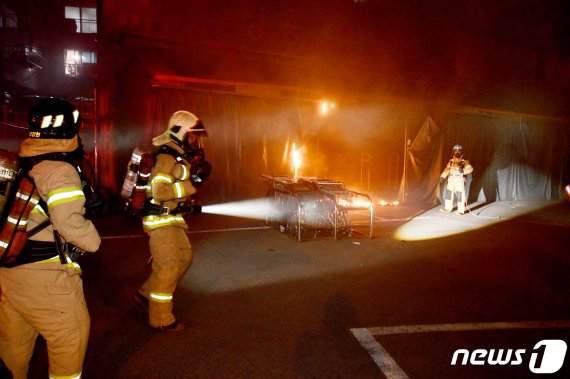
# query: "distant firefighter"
455,172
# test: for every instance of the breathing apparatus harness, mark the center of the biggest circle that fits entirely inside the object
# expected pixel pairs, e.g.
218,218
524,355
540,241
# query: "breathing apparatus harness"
19,249
200,170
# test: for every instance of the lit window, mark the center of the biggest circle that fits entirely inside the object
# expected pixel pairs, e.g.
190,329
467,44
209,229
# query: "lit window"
85,18
88,57
8,19
74,59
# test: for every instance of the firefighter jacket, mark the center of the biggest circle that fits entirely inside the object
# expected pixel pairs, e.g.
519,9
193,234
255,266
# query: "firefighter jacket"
46,297
456,170
169,185
59,186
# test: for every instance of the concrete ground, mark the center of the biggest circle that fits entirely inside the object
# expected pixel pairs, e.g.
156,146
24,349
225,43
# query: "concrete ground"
399,305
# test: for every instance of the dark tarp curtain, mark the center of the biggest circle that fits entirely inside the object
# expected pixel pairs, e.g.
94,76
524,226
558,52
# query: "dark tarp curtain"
424,159
514,159
253,135
247,137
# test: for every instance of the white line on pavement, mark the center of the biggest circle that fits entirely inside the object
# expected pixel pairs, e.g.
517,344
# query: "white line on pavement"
405,329
382,358
392,370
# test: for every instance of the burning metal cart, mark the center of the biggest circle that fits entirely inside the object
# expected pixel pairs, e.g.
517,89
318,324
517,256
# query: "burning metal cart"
316,208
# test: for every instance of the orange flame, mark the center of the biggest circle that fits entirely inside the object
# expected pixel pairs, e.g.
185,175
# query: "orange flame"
296,161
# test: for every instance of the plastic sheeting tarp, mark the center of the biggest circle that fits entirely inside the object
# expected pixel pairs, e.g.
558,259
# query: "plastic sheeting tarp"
514,159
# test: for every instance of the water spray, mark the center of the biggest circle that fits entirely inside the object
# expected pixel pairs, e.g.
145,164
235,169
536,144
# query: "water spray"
253,208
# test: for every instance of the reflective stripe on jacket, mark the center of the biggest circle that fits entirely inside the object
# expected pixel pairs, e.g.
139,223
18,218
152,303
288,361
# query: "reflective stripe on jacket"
169,185
60,186
452,168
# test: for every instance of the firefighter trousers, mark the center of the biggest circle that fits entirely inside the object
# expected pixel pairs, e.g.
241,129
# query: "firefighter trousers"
455,187
171,257
47,299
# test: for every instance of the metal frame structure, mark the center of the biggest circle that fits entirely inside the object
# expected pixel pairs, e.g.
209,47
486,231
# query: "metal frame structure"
314,207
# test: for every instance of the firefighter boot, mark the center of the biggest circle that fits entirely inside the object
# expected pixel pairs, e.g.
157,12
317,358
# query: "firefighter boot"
176,326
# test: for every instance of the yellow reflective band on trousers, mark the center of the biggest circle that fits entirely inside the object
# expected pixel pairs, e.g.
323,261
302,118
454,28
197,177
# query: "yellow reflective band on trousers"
74,376
64,195
153,222
160,297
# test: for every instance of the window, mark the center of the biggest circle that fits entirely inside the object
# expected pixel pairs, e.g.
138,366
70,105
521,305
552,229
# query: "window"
8,19
75,59
85,18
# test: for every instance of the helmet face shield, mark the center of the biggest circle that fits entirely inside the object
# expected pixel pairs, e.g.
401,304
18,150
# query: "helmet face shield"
198,128
192,141
457,151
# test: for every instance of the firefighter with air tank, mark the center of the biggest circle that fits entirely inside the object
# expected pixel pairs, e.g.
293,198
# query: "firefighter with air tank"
41,289
455,172
178,169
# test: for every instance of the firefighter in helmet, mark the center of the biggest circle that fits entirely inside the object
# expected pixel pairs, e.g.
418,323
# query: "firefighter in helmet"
42,292
456,172
179,168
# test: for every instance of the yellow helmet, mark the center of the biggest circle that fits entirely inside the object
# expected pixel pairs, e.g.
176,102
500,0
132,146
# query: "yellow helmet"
180,123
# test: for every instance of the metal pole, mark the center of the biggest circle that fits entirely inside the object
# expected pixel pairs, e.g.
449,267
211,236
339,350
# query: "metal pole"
299,221
365,159
405,176
95,146
335,220
371,218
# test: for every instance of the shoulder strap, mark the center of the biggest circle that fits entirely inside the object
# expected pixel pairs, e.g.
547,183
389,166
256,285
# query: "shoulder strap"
38,228
164,149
